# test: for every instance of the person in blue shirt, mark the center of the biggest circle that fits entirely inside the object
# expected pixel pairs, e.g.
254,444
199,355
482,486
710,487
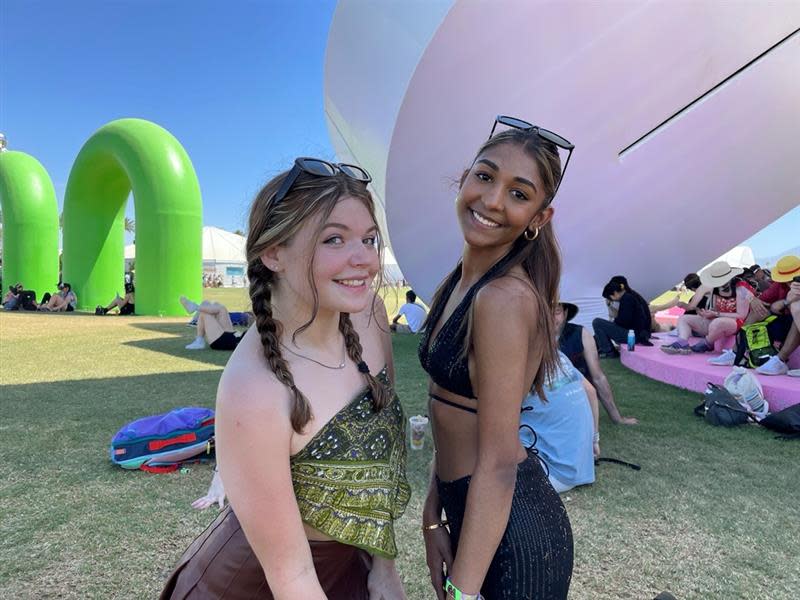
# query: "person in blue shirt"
564,429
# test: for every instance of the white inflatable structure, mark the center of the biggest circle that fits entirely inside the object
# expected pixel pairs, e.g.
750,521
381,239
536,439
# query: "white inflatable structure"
685,117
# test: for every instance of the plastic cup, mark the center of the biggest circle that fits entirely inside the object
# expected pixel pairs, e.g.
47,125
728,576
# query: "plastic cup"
418,427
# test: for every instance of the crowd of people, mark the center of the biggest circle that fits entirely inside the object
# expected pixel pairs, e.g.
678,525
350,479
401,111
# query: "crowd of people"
730,298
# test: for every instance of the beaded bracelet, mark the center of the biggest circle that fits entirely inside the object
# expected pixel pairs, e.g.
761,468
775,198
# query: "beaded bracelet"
435,526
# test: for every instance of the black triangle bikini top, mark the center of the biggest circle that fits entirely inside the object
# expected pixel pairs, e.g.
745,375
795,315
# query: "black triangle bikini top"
442,357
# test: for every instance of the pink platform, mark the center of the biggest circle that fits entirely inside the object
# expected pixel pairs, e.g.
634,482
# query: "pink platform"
692,372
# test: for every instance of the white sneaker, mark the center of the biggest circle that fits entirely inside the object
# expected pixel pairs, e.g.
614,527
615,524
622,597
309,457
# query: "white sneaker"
188,304
198,344
673,332
723,360
774,366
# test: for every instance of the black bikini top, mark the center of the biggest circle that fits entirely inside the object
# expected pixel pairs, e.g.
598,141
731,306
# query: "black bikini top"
442,357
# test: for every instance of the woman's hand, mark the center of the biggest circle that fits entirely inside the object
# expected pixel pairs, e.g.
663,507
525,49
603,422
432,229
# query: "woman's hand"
707,314
215,494
439,556
383,581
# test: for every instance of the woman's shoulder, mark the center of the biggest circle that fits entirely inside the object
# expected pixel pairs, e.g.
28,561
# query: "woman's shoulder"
247,383
512,290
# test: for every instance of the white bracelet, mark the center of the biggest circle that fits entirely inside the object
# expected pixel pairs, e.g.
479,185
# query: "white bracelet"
596,437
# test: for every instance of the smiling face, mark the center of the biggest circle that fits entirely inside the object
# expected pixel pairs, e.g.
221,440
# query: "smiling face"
341,253
501,196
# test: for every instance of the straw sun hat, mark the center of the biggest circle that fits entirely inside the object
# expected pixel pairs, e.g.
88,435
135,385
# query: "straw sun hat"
788,268
719,273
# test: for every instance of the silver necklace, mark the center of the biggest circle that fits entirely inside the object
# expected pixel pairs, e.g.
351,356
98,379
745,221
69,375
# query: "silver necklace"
321,364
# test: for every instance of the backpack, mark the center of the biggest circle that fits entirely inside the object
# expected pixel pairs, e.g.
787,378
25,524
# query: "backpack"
720,408
160,443
786,421
754,341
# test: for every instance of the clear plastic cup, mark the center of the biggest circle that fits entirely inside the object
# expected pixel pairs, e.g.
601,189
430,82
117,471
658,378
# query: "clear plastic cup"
418,425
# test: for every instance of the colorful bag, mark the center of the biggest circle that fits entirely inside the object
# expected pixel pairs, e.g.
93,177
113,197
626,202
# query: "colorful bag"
754,342
162,442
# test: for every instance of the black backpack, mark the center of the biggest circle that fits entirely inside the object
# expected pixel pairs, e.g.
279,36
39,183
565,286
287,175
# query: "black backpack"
720,408
786,421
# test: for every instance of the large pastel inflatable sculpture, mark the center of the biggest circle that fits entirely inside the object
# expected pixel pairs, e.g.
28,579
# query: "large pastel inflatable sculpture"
685,117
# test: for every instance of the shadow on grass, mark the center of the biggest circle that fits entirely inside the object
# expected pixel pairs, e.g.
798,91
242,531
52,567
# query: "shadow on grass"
176,346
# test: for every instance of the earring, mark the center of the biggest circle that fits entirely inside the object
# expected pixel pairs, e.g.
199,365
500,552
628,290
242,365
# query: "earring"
529,237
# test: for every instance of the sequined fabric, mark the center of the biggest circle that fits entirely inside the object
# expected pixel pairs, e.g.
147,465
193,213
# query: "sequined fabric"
535,555
350,479
442,358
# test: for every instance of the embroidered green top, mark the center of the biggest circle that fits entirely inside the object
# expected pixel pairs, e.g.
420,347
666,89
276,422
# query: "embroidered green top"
350,479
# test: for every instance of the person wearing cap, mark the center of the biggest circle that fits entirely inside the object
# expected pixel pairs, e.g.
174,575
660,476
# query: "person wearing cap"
728,308
782,298
762,277
578,344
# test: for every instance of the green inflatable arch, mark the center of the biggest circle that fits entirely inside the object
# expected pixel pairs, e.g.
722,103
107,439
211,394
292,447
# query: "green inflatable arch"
123,156
30,223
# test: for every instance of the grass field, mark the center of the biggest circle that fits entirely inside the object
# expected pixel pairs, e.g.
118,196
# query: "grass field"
712,514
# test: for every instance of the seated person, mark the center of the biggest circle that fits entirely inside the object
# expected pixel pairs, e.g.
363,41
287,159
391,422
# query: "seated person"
565,428
729,306
762,277
126,305
578,345
413,312
214,326
11,300
633,313
64,300
782,298
698,300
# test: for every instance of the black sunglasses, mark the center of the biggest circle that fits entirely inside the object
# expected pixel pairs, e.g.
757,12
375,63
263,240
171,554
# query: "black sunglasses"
320,168
545,134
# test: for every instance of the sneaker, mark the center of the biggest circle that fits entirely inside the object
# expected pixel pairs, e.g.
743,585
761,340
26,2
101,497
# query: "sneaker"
794,373
673,332
774,366
677,347
198,344
189,305
702,346
723,360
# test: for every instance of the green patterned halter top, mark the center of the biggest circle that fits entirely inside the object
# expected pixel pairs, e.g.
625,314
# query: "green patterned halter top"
350,479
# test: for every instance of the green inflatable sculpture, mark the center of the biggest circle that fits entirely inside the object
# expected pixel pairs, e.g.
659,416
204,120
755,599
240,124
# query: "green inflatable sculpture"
30,224
139,156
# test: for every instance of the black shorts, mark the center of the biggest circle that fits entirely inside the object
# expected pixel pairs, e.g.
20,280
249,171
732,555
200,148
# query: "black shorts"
779,328
227,341
128,309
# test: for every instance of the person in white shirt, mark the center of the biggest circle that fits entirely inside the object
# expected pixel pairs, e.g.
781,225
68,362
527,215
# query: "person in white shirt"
414,313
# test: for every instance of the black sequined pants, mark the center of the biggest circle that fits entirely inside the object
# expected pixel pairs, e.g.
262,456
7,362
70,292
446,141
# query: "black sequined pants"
534,558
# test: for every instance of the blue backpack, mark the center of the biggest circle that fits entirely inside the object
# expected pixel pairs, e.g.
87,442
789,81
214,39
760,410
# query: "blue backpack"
160,443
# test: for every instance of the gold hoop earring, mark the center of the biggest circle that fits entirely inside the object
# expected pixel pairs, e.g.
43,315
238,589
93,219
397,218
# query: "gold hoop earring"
530,238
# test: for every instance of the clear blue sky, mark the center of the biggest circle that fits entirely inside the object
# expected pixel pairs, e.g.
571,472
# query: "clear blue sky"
238,83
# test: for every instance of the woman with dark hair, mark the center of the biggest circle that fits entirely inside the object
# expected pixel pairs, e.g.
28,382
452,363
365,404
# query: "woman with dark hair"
488,341
310,436
632,313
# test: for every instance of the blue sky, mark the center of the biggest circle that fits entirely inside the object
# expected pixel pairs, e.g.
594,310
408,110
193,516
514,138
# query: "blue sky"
238,83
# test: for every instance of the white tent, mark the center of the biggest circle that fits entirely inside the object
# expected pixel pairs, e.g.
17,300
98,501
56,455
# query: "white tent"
223,256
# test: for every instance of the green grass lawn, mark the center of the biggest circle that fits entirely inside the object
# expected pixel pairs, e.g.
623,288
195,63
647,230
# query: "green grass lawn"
712,514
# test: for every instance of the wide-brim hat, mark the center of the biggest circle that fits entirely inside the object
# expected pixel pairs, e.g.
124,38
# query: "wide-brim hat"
570,308
719,273
788,268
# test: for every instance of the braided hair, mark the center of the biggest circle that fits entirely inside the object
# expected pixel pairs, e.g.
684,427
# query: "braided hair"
270,226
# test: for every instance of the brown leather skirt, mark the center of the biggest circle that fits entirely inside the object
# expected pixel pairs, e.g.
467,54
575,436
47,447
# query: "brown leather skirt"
221,564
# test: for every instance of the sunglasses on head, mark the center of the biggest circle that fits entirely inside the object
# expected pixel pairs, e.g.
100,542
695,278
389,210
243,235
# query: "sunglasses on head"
319,168
545,134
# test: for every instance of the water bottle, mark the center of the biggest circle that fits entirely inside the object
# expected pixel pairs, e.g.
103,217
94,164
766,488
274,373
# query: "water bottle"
631,340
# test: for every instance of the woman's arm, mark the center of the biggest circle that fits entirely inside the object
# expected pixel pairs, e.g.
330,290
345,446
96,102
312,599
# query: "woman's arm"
591,396
503,322
438,549
701,292
253,434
